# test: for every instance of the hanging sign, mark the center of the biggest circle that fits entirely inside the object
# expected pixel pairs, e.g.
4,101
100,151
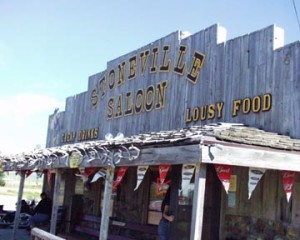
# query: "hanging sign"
224,174
74,159
121,173
255,174
187,174
141,171
288,179
163,171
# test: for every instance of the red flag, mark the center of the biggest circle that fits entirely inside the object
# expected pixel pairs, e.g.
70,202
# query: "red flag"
89,171
288,179
163,171
121,173
28,173
224,174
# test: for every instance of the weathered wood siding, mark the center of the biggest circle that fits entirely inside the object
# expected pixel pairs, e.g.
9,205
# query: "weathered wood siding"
251,65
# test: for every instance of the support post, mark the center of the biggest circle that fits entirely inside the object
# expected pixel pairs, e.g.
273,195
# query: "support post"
17,214
198,202
106,203
55,201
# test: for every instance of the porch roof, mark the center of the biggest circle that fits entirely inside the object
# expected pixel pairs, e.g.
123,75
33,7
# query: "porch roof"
155,148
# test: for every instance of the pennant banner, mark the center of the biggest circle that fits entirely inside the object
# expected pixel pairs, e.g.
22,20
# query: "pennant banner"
288,179
187,174
141,171
255,174
163,171
28,173
224,174
86,172
100,174
121,173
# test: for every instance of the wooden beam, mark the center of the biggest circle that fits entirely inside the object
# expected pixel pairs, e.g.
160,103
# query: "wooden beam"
19,202
198,202
158,155
106,203
251,157
55,201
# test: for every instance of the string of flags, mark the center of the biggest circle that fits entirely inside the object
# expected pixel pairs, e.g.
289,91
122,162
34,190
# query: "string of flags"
255,174
224,173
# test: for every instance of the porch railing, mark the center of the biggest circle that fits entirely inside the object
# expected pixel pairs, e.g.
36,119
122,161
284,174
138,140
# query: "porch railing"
39,234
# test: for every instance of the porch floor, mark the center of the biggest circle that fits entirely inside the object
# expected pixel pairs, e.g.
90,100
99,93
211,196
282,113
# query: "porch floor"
21,234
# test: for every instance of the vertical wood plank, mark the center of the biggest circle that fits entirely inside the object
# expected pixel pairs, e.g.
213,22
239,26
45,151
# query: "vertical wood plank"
106,204
198,202
55,201
17,214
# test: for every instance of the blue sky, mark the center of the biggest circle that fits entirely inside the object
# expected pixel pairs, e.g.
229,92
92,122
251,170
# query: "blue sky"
48,49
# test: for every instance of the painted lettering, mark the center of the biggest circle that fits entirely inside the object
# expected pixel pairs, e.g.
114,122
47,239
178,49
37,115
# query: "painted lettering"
255,105
204,112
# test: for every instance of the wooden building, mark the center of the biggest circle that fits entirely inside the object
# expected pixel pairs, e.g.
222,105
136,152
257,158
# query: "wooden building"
197,102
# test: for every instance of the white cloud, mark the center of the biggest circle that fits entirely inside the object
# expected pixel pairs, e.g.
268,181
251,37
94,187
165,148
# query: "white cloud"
24,121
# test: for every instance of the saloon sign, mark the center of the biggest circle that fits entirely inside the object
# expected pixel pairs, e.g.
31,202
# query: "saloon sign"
154,96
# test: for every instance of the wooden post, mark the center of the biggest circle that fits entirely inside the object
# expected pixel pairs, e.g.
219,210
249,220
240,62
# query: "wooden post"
17,214
55,201
198,202
106,203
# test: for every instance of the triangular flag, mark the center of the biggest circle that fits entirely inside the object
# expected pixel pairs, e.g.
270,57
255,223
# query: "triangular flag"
121,173
163,171
100,174
255,174
288,179
28,173
224,174
186,175
141,171
86,172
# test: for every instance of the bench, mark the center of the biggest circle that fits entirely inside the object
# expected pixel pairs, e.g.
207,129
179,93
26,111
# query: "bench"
130,230
90,225
87,225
